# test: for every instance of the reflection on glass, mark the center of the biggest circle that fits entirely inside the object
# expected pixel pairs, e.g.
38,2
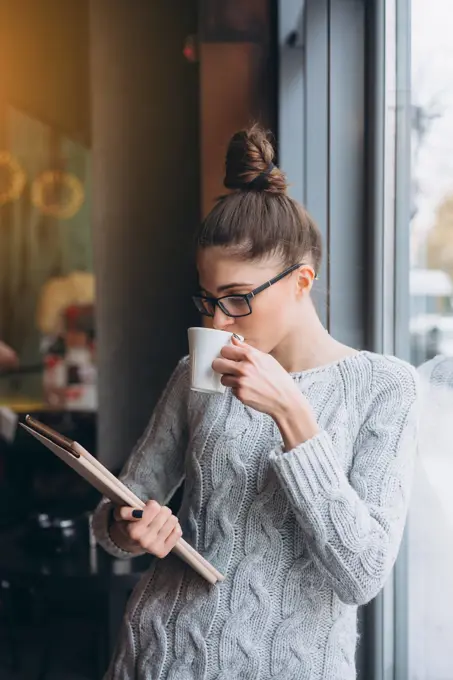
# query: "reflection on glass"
45,256
431,282
430,551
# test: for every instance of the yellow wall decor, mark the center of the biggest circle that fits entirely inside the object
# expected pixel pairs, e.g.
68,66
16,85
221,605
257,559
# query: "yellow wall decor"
67,185
16,179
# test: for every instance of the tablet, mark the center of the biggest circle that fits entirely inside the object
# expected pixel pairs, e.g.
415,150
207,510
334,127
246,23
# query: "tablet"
96,474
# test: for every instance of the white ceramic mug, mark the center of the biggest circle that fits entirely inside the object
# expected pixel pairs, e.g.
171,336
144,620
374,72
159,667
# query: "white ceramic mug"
205,345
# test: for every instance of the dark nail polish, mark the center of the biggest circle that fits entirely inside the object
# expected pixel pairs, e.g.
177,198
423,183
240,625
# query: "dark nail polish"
137,514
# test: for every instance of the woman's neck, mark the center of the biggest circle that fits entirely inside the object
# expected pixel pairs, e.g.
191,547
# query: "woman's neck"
309,346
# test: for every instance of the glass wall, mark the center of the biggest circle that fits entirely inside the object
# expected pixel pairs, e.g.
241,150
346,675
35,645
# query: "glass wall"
431,282
429,559
45,240
46,269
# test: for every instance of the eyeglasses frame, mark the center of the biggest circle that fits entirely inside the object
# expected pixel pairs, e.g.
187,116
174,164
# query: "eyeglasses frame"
247,297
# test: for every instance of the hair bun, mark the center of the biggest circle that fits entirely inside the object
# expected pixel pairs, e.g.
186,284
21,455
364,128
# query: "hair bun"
249,163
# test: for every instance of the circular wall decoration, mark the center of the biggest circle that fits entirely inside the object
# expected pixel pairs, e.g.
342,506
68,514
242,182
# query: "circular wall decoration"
15,178
58,194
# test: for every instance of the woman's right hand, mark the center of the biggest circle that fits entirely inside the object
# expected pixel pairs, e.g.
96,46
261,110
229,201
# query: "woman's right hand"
157,531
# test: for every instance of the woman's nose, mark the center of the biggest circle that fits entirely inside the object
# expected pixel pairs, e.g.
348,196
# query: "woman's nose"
221,321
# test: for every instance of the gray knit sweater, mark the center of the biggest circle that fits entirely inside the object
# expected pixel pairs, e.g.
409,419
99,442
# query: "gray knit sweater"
302,537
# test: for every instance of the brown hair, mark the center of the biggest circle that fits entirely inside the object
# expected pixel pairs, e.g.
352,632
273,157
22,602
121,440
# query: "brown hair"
258,218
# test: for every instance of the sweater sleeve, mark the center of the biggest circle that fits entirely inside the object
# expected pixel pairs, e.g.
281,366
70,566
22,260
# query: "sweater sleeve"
354,523
155,468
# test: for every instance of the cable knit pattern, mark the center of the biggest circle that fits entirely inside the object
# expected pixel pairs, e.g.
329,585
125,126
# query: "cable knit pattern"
303,537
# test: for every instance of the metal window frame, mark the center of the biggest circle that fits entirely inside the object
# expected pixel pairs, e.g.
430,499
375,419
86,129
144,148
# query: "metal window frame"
321,145
347,49
388,23
402,292
381,283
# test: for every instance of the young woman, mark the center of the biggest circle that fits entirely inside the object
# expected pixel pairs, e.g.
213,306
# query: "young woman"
296,479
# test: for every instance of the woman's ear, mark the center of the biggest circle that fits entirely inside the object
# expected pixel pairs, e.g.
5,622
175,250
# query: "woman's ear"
305,278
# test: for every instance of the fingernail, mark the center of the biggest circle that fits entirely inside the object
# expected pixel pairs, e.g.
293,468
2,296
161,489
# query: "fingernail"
137,514
238,337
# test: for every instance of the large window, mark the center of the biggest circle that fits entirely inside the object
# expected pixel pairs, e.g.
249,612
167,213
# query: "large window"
46,268
429,559
431,282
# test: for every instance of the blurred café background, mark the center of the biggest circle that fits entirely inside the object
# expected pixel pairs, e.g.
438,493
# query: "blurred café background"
114,118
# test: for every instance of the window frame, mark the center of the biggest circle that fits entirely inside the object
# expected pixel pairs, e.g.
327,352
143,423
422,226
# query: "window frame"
352,58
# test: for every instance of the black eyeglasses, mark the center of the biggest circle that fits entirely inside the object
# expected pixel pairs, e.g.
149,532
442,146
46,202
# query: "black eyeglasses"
237,305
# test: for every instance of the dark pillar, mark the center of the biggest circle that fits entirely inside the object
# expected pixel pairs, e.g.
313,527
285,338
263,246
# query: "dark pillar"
237,79
146,205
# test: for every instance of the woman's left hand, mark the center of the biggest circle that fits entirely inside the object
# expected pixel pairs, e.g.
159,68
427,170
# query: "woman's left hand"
257,379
